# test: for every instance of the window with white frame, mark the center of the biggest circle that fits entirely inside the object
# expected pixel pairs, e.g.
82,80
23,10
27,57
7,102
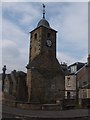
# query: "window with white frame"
68,81
73,69
84,93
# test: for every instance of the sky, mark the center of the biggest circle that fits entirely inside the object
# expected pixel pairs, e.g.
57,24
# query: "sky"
45,0
70,19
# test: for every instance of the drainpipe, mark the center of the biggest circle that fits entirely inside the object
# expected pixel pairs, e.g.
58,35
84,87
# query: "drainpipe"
77,90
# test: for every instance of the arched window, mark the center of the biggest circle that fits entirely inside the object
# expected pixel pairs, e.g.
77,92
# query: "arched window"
68,81
35,36
48,35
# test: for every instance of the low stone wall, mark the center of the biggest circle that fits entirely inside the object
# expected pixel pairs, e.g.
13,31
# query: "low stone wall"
8,99
18,104
7,102
54,107
66,104
11,101
31,106
69,103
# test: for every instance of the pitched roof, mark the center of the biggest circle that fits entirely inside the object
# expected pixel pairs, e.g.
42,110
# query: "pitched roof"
77,63
81,68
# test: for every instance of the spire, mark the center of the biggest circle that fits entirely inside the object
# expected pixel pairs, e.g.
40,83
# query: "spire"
43,11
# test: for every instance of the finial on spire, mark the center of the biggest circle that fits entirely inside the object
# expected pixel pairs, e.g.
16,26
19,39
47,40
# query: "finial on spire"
43,11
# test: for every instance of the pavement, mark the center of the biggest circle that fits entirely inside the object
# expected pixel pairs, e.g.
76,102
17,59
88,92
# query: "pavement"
64,114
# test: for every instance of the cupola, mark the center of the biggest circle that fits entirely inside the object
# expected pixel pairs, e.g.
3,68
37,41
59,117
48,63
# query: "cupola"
43,21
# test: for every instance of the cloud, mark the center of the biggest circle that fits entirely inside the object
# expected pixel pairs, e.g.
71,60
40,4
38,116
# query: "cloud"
13,57
22,13
12,32
10,49
68,59
45,1
14,47
72,27
76,23
63,57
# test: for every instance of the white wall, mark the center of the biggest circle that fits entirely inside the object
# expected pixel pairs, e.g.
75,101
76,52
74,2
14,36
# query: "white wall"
84,93
72,85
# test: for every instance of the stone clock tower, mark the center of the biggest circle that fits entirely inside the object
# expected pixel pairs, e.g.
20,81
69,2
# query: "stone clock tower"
45,78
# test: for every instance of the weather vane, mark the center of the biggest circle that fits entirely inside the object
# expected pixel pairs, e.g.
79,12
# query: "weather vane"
43,11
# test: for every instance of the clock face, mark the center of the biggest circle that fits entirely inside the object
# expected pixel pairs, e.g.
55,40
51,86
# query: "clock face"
49,43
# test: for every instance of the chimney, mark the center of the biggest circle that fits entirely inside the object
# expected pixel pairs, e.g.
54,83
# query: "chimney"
88,59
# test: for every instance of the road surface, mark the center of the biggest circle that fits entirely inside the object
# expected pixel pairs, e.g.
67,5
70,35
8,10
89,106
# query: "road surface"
11,112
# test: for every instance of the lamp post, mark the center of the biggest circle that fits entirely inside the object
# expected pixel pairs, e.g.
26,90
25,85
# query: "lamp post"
3,76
